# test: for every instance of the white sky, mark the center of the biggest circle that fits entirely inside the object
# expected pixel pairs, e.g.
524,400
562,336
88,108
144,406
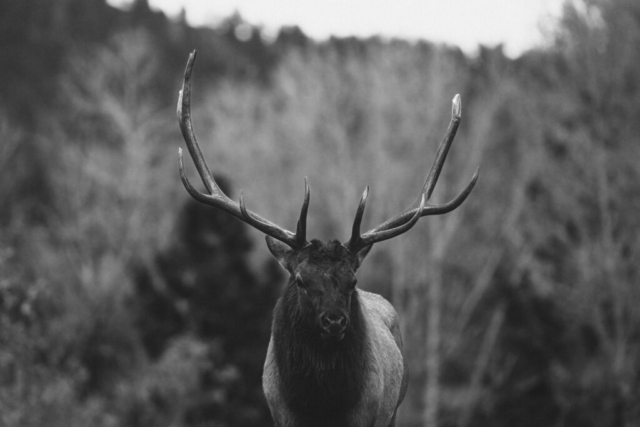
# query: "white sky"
466,23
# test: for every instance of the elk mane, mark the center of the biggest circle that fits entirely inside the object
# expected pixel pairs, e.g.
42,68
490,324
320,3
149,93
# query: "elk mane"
318,376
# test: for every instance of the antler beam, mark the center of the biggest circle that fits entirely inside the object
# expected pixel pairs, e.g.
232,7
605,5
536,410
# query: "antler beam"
404,221
216,196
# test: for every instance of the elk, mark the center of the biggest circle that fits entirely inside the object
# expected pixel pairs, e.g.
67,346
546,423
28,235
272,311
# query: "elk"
335,356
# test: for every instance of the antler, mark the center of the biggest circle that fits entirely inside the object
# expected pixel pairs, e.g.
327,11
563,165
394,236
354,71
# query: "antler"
216,196
407,219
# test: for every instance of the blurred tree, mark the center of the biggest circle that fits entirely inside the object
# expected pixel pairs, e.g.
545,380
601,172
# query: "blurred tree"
81,344
292,36
570,339
203,286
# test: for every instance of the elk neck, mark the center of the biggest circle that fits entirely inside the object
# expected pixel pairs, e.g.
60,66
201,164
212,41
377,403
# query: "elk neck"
320,378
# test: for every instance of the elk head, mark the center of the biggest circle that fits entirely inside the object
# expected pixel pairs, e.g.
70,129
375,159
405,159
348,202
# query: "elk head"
324,275
324,278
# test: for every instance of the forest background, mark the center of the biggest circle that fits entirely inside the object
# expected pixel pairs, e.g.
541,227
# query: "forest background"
124,303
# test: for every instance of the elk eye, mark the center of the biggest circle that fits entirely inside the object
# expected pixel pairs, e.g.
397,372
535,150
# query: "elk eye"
354,283
299,280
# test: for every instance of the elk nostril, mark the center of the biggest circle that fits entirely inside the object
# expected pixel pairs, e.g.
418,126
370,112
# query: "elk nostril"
326,322
333,321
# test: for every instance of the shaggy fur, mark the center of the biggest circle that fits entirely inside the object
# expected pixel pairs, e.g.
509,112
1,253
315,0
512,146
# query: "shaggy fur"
322,380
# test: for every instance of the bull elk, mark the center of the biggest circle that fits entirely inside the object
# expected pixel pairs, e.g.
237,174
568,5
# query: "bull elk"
335,356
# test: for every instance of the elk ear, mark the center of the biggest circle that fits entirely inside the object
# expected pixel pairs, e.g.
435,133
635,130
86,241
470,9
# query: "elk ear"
279,250
362,254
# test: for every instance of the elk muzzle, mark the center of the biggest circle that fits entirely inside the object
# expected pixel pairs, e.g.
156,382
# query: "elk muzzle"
333,324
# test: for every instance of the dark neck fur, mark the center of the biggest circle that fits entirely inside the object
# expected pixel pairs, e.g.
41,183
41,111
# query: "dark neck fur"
321,380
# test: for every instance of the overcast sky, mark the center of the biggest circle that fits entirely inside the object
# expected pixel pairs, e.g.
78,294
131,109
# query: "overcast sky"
466,23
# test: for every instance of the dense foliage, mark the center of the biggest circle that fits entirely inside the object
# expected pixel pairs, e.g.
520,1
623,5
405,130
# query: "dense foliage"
123,302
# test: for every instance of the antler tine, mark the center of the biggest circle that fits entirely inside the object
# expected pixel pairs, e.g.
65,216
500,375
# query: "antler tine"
301,229
354,242
369,238
227,206
184,119
295,241
216,196
443,148
403,222
434,174
431,209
